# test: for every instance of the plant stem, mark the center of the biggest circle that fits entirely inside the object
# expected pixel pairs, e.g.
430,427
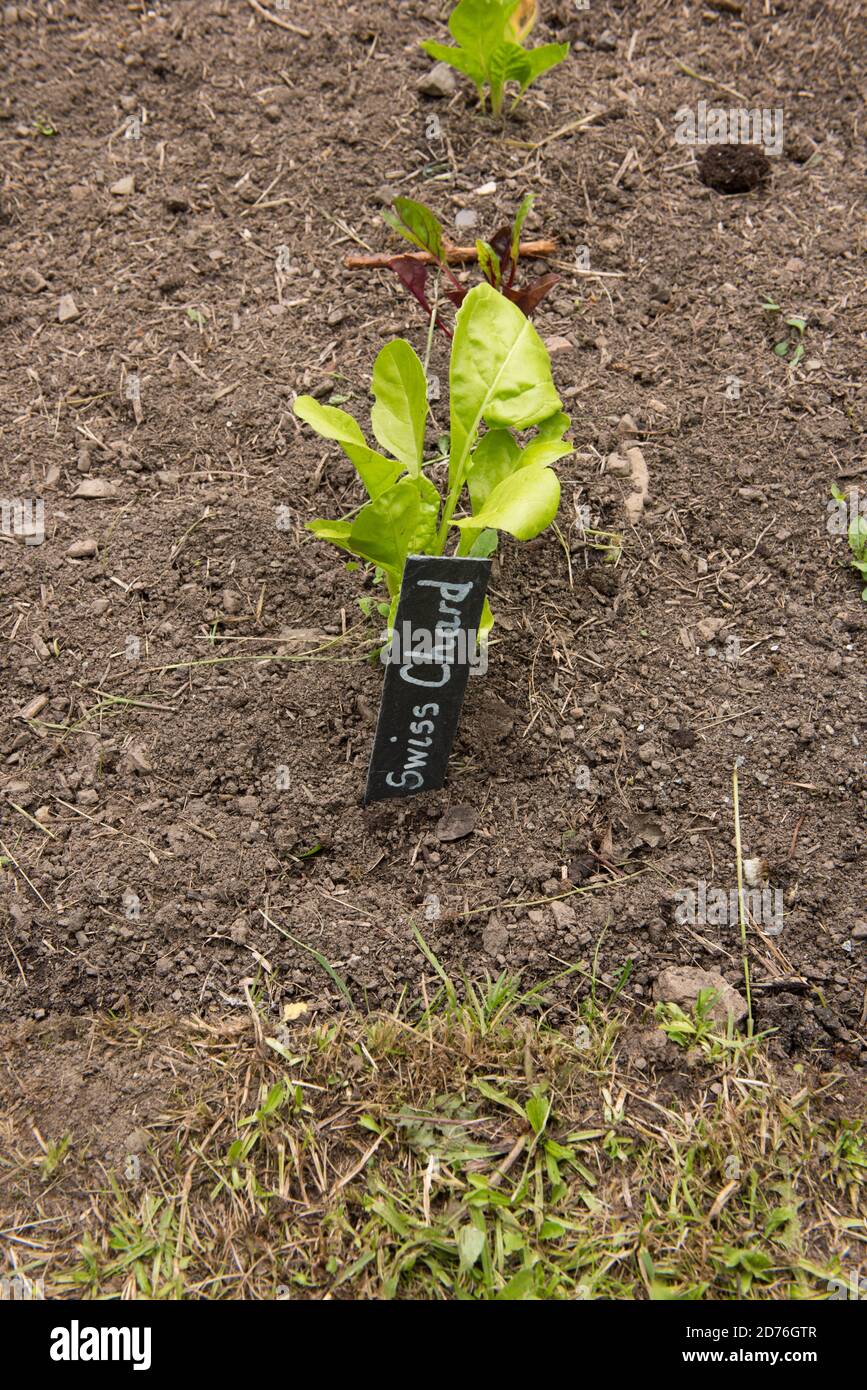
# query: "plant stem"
741,909
430,330
452,501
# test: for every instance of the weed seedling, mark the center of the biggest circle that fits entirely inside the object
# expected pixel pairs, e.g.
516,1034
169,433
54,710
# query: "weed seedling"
793,341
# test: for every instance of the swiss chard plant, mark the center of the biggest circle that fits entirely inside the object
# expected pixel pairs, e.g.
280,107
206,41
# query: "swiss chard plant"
489,47
498,259
500,385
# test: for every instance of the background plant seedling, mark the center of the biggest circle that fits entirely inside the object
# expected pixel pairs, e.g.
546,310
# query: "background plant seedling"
857,539
794,343
498,259
489,48
459,1162
500,378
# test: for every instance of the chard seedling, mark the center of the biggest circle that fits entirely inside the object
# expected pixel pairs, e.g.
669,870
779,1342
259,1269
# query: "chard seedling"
489,49
500,384
856,537
498,259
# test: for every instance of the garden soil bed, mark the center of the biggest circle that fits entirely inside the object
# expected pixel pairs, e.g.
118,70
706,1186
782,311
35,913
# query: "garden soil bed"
168,803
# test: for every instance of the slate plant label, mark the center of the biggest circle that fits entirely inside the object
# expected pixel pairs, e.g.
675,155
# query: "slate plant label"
441,600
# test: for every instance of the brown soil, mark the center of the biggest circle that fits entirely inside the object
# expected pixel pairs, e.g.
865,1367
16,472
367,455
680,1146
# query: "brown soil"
151,846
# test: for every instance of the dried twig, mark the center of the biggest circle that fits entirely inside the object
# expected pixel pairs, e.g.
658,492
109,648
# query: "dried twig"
455,255
711,81
741,904
281,23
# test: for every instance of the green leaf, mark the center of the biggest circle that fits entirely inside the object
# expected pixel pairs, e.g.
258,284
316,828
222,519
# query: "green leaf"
555,426
418,224
460,59
538,1108
755,1262
337,532
507,63
479,26
484,544
518,224
471,1243
857,535
540,59
384,529
489,263
544,451
376,472
423,538
519,1288
523,504
398,416
497,1096
500,373
392,611
495,458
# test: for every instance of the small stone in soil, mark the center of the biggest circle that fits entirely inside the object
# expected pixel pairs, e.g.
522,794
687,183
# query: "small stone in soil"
457,822
495,938
682,985
67,309
95,488
177,201
439,82
563,913
33,707
80,550
33,280
137,758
